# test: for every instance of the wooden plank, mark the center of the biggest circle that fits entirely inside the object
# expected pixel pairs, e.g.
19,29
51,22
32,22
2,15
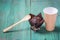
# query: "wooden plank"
38,6
11,12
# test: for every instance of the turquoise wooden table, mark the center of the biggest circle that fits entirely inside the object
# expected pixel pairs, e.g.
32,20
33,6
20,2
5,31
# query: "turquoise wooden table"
12,11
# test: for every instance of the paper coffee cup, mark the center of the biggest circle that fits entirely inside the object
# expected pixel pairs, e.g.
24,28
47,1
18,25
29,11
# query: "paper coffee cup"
50,14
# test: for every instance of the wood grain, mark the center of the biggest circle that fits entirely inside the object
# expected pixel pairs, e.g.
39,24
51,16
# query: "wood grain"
12,11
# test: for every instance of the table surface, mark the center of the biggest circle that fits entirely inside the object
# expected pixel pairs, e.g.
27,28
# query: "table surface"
12,11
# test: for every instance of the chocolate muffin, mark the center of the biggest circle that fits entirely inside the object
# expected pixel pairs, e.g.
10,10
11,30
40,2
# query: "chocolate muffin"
36,21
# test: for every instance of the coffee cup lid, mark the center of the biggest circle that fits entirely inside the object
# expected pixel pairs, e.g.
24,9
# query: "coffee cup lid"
50,10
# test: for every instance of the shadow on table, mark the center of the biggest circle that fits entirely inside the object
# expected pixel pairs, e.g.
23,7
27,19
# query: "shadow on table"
43,30
18,30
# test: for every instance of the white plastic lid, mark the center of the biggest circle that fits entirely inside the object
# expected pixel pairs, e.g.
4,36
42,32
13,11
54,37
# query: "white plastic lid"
50,10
